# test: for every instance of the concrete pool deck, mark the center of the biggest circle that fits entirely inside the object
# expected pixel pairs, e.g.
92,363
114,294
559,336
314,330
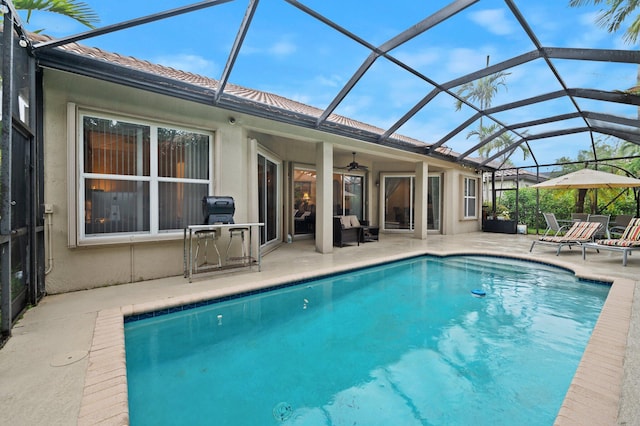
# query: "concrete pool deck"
64,362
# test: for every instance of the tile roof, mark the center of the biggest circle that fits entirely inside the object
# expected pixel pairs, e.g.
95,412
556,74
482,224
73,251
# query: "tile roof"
521,173
244,93
266,98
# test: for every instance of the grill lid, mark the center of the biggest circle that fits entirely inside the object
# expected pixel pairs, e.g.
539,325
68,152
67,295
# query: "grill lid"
218,209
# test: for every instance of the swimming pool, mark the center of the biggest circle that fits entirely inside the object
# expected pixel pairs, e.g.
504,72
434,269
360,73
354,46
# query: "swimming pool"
404,343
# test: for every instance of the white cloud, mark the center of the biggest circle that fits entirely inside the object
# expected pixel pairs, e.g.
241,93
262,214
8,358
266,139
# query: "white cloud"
282,48
190,63
494,20
419,58
463,61
588,19
591,34
328,81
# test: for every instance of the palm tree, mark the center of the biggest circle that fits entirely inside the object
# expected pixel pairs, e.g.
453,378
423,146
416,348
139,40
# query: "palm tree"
614,17
497,144
482,90
77,10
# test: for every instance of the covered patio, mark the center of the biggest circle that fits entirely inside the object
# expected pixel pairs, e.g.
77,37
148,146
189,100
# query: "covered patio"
46,363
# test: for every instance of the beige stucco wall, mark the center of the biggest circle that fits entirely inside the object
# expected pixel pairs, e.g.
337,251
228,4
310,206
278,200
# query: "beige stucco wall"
81,267
75,268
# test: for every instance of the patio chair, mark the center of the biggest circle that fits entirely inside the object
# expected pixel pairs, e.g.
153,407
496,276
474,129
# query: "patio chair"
579,217
628,242
579,233
603,232
619,225
552,224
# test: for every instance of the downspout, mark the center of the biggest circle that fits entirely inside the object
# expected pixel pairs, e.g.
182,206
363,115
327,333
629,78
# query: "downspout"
48,246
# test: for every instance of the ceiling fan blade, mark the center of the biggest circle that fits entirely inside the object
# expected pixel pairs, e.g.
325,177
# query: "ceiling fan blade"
354,165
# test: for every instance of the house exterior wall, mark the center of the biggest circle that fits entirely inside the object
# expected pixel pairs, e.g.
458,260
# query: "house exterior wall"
453,221
76,266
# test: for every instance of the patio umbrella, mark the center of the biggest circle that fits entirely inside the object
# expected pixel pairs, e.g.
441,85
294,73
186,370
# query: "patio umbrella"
588,179
591,179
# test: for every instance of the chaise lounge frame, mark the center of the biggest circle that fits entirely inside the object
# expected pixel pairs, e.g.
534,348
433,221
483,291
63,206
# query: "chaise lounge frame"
579,233
628,242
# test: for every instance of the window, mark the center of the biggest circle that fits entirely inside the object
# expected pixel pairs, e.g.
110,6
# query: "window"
470,199
141,178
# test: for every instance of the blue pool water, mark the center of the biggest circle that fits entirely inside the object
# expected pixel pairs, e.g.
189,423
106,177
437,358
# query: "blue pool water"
405,343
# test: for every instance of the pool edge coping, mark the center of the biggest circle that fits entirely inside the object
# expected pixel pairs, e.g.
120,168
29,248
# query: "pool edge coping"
593,396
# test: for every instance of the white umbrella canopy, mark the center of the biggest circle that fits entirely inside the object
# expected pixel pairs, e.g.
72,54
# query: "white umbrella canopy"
588,179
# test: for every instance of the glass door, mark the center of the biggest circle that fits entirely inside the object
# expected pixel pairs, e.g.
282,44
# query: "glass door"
304,201
268,199
434,203
348,195
398,197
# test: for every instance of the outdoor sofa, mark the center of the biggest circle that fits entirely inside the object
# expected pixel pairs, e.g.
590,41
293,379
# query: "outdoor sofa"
349,229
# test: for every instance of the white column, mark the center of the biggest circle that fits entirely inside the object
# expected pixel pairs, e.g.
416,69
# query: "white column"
324,197
252,192
252,180
420,202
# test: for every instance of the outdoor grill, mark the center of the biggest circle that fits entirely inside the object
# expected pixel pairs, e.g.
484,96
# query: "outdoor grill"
218,209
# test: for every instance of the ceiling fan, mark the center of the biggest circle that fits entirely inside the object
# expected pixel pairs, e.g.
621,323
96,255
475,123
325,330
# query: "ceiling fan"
354,165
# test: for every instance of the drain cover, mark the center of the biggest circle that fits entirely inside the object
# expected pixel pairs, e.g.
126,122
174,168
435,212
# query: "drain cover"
69,358
282,411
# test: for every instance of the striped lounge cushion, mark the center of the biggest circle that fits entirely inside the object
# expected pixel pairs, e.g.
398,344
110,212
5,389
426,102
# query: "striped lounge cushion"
630,237
580,231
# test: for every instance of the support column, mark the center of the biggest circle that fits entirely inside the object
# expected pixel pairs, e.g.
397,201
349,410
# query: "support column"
253,214
324,197
252,180
421,200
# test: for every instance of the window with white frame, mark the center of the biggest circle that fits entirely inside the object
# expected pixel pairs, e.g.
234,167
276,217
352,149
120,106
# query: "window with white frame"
470,198
141,178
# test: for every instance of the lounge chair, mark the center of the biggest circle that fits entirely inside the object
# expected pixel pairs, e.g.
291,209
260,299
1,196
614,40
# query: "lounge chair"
579,233
553,225
620,224
628,242
603,232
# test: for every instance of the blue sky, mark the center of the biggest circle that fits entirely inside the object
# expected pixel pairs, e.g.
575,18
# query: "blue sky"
290,53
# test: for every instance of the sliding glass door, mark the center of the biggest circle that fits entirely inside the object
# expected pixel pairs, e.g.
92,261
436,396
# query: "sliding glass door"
304,201
434,203
269,199
398,197
348,195
398,194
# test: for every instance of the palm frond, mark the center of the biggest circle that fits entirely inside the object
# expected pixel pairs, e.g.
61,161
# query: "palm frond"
614,16
77,10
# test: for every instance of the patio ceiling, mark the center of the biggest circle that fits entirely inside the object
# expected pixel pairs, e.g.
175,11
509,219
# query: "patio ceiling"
557,103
